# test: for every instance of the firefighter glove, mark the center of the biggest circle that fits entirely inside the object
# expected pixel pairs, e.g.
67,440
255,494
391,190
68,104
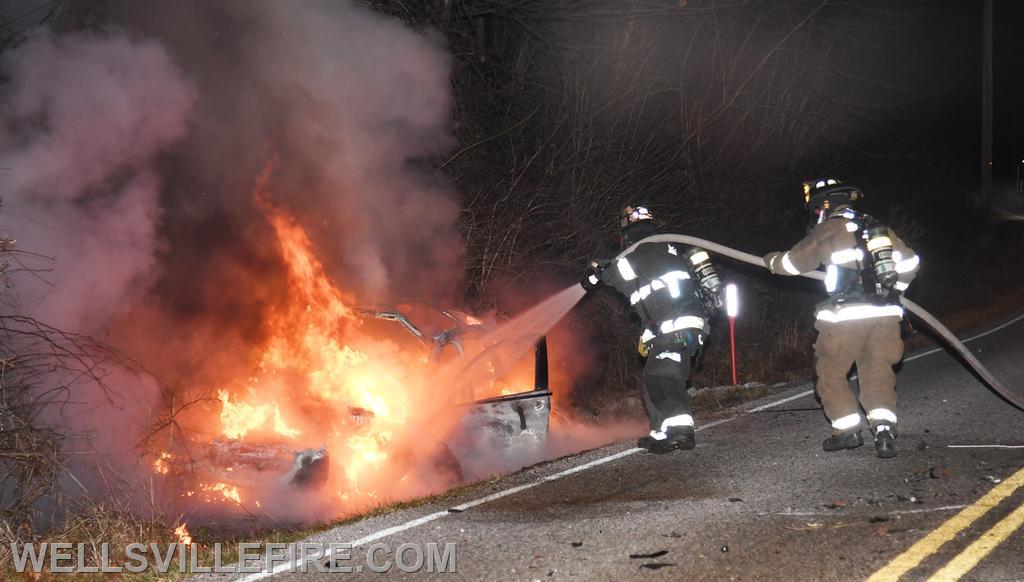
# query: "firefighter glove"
592,278
713,299
774,262
643,349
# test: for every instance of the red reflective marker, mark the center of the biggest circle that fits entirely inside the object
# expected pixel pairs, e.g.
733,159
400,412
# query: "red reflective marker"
732,309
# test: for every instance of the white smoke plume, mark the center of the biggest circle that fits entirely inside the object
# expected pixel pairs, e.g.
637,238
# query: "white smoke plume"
350,104
82,120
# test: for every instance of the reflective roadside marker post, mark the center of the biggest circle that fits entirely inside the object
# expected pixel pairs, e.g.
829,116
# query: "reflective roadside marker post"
732,309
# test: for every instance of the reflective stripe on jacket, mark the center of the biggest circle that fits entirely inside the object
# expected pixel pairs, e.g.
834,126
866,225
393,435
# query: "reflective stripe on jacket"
659,285
833,244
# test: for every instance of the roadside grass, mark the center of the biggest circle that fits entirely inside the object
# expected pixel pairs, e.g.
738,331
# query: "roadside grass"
119,529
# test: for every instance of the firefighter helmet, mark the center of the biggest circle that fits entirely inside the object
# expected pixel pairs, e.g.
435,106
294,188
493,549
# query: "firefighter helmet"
823,196
631,215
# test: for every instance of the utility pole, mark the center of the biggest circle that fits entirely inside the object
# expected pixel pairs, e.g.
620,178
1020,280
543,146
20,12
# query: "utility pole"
985,199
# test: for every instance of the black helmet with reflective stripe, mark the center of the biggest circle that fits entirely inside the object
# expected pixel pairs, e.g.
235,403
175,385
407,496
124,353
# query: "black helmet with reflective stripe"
634,214
635,223
823,196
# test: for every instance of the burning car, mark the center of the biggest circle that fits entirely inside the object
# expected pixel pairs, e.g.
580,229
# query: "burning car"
499,420
360,404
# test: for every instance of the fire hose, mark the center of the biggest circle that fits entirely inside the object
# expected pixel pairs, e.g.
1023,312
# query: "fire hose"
929,320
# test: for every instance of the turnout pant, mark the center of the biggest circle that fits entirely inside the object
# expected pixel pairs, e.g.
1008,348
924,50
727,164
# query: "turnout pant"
666,374
875,346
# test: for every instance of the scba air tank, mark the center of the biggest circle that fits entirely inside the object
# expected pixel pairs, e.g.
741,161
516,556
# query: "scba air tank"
879,245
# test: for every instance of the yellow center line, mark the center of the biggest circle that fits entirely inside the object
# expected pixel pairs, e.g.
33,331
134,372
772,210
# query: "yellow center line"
976,552
931,543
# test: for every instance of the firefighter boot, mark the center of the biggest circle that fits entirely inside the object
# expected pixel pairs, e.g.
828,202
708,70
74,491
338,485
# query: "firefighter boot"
885,443
677,437
850,439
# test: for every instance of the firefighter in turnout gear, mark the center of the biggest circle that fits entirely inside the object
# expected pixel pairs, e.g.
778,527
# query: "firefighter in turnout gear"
674,290
867,268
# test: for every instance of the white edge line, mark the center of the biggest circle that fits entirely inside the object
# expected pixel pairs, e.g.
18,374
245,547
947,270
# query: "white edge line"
928,509
770,405
970,339
838,514
294,564
985,446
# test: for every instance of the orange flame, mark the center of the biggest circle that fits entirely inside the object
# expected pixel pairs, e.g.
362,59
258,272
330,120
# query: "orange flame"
323,376
184,537
239,418
229,492
316,374
160,465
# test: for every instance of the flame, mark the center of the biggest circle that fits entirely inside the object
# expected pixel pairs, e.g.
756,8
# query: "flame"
229,492
307,339
506,382
239,418
367,452
321,376
160,465
184,537
316,374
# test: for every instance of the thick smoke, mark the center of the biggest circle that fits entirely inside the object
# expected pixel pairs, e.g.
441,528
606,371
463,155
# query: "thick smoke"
155,194
350,105
82,120
340,115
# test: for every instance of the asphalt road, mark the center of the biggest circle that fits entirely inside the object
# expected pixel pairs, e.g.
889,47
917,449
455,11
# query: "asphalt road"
756,500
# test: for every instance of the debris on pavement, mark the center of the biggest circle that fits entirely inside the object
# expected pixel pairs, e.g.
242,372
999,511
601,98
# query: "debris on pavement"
735,500
878,519
725,549
810,525
991,479
929,473
577,544
885,531
657,565
657,554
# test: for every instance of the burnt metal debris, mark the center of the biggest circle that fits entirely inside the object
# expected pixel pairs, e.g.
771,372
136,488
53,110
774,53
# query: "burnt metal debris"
650,556
310,469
